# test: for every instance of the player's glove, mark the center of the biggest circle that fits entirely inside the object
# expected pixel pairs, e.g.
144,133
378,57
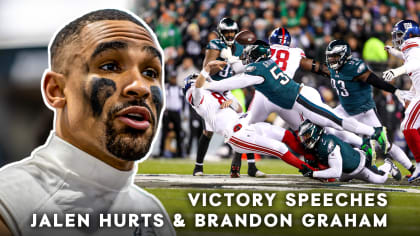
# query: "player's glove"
306,171
226,53
391,74
404,95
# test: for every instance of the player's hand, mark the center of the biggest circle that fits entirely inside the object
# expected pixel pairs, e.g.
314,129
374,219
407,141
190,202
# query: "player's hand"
404,95
233,59
388,48
226,53
391,74
215,66
226,104
306,171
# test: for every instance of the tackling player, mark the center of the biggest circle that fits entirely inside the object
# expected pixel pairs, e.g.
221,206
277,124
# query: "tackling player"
353,82
268,78
344,162
289,60
406,37
226,30
259,138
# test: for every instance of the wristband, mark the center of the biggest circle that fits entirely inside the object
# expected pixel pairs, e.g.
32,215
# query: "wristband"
205,74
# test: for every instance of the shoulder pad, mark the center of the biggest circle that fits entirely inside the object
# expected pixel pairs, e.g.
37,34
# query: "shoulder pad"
410,43
361,67
250,68
216,44
330,146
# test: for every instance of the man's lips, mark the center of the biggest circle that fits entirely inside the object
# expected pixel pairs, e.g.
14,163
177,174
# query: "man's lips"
136,117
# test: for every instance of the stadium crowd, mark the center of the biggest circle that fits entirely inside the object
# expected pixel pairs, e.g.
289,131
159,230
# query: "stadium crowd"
184,27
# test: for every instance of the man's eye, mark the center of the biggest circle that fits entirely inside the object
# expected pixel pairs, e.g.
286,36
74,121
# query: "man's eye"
150,73
110,67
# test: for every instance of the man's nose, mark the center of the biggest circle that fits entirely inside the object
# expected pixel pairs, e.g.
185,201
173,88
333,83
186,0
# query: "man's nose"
138,88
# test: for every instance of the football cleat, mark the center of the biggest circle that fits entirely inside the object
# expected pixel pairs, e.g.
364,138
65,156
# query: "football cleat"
381,137
395,172
235,171
254,172
415,177
369,148
198,170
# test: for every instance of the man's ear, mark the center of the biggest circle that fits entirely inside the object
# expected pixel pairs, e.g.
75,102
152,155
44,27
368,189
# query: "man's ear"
53,89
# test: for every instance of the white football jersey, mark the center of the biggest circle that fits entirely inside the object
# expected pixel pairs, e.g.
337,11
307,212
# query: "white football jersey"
207,104
288,59
411,52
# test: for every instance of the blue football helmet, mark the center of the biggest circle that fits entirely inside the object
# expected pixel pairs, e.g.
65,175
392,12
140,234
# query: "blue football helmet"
188,82
280,36
309,134
402,31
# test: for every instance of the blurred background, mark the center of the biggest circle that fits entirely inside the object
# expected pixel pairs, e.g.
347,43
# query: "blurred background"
184,28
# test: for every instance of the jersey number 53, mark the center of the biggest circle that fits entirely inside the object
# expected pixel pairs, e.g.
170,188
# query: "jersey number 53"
277,73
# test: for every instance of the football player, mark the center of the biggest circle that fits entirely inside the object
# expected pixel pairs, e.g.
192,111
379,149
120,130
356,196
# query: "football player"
406,37
353,81
225,120
225,43
344,162
289,60
268,78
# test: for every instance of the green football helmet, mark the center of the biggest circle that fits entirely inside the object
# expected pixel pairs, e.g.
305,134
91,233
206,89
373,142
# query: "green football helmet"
259,50
337,53
309,134
224,29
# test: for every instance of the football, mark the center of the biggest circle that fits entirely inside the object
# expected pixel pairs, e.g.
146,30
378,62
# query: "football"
245,37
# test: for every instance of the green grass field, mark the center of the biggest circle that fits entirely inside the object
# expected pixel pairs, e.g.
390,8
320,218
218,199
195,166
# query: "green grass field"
403,209
185,167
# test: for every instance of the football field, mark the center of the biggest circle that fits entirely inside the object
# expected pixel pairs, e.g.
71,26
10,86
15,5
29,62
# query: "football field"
171,181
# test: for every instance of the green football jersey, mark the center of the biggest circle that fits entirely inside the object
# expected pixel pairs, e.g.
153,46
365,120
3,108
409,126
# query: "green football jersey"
277,86
218,44
354,96
327,143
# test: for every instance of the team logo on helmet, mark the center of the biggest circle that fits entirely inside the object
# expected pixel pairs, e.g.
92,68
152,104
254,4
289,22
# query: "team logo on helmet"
227,29
280,36
309,134
258,51
402,31
337,53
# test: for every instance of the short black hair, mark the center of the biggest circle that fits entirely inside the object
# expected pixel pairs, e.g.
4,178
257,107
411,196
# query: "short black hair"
70,32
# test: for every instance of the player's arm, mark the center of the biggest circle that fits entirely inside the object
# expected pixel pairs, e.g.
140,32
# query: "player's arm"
234,104
213,66
314,66
335,163
234,82
211,55
411,65
393,51
4,230
375,81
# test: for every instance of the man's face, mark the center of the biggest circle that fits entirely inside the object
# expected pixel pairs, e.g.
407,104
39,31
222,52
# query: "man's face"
113,91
